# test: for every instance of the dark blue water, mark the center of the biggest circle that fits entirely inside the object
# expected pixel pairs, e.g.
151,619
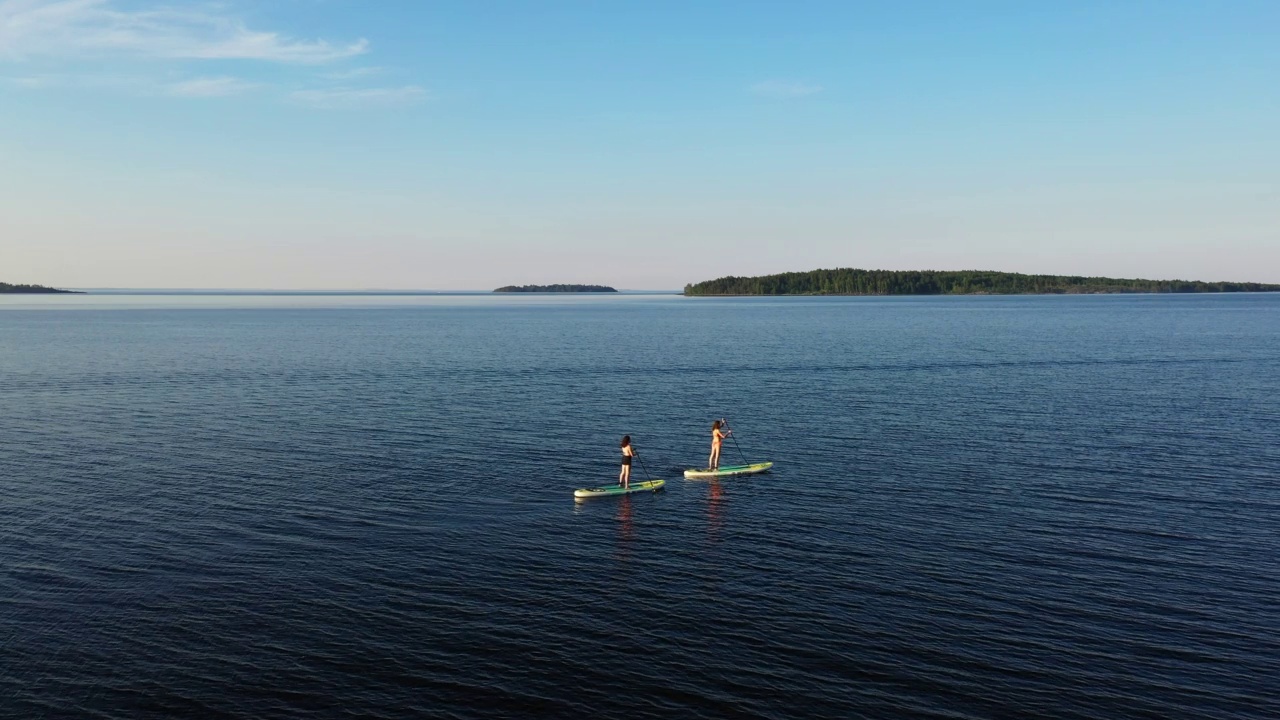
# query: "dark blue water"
981,508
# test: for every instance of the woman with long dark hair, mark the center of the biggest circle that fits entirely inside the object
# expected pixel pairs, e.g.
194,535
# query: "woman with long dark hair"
628,452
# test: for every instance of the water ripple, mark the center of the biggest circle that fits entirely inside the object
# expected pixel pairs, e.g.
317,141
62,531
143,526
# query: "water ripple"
981,508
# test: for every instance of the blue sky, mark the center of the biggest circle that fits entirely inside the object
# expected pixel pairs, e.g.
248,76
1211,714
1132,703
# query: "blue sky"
465,145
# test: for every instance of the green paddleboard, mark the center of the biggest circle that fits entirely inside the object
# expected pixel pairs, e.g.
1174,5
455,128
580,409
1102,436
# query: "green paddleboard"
728,470
650,485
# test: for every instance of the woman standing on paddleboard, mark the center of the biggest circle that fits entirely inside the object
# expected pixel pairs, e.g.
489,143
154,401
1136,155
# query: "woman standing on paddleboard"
628,452
717,435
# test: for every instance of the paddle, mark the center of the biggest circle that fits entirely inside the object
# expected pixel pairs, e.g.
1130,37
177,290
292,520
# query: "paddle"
735,441
646,471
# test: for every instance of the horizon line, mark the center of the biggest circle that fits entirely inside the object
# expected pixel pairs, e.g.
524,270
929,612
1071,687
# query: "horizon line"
335,290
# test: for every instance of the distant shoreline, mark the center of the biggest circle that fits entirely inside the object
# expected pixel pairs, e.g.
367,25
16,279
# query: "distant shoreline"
855,282
555,289
7,289
974,294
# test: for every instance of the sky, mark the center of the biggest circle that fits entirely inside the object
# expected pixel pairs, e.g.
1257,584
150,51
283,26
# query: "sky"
378,144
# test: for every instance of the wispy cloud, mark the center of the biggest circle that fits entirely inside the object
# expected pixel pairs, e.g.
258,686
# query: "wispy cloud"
208,87
76,28
112,81
80,32
354,73
29,82
352,98
785,89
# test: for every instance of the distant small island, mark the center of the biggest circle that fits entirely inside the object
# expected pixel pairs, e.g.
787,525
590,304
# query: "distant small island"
851,281
33,289
555,289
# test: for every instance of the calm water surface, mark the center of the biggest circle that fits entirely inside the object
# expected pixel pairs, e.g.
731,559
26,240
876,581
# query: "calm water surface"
320,506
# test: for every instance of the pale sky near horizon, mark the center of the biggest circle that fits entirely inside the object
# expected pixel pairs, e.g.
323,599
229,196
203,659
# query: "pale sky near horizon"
343,144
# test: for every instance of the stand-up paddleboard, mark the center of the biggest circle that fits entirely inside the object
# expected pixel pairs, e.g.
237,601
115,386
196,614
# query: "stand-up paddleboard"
650,485
728,470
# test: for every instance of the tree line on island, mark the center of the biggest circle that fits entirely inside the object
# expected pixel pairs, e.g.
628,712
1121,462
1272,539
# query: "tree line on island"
851,281
555,289
31,289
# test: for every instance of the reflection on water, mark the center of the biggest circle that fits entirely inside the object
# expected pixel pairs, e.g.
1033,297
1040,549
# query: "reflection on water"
715,510
626,529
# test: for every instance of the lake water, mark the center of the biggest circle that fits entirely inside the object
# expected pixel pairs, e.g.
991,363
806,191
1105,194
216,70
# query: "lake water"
361,507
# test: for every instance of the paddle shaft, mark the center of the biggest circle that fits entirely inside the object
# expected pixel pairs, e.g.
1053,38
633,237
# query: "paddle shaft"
735,442
646,469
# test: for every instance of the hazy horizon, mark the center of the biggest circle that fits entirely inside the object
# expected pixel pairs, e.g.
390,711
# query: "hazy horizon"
490,290
324,146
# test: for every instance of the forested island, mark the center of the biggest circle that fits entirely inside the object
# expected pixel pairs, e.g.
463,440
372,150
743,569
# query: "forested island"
31,289
850,281
555,289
